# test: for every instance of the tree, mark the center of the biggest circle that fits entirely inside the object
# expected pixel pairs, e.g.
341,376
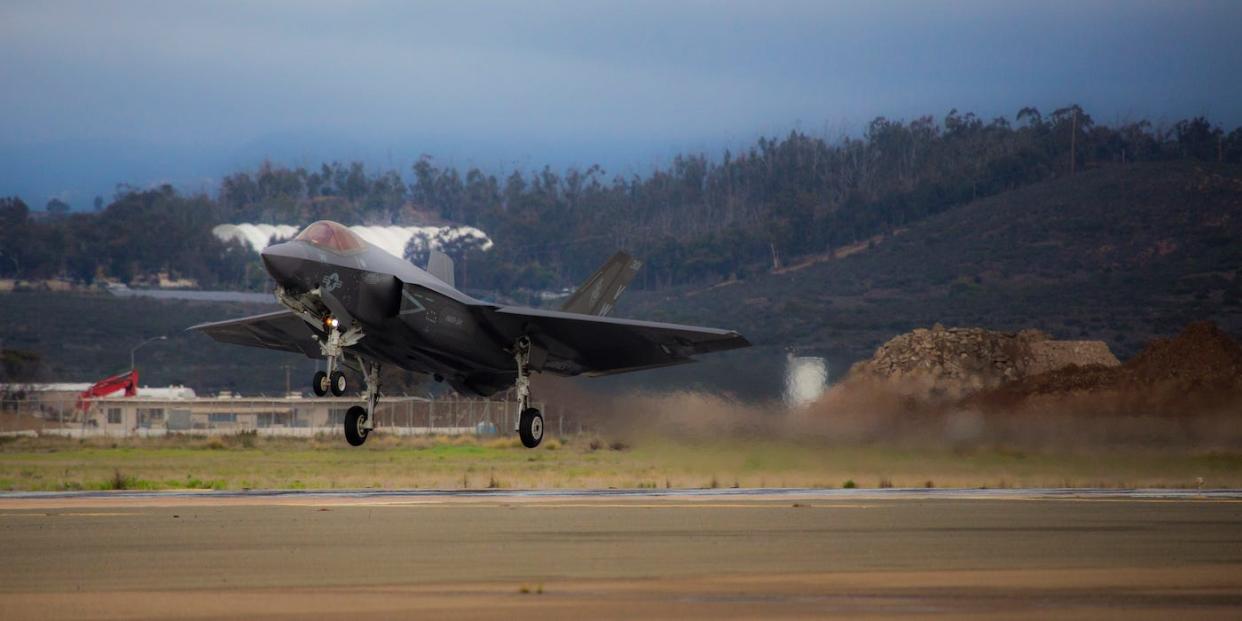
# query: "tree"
1197,138
57,208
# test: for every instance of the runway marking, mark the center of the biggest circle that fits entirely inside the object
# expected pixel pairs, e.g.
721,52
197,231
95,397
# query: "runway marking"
74,514
98,514
448,504
743,498
592,505
1131,499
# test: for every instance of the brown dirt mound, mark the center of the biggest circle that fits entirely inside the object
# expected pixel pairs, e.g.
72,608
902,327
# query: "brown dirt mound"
1201,367
949,363
1202,353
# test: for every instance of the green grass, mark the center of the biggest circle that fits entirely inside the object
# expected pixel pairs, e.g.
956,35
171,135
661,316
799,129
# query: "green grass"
454,463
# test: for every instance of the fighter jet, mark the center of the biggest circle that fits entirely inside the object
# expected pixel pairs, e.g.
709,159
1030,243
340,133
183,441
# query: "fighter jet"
358,306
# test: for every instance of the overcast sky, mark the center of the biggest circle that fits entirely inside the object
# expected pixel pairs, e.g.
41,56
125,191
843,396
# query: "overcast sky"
97,93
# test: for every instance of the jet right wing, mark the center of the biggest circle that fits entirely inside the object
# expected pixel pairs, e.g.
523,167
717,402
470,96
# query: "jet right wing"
573,344
281,330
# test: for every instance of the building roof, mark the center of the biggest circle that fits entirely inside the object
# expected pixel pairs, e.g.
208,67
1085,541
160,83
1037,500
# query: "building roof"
53,387
144,392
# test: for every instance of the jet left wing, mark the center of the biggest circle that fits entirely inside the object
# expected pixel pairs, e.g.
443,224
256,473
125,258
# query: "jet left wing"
591,345
281,330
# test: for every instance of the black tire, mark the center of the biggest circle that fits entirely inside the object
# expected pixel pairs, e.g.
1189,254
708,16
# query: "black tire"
355,434
338,383
320,383
530,427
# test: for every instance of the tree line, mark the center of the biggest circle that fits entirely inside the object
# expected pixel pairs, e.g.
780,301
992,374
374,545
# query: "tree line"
696,220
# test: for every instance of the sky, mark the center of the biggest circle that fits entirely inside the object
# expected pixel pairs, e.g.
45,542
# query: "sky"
100,93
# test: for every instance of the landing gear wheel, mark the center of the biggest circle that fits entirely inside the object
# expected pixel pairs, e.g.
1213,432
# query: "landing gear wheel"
338,383
355,432
320,383
530,428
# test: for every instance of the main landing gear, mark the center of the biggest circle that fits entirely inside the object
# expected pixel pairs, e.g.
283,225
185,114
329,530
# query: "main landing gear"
359,421
530,420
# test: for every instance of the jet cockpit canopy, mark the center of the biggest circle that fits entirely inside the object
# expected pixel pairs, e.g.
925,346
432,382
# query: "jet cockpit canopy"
332,236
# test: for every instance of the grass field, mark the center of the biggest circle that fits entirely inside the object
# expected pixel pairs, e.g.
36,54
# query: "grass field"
247,461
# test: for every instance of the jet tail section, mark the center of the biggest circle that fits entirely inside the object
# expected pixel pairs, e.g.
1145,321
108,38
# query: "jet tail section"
599,294
440,265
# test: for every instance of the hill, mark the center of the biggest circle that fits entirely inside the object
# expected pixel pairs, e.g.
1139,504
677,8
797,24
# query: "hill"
1121,254
80,337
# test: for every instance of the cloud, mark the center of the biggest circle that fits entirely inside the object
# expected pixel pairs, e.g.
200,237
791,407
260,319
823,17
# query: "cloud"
624,83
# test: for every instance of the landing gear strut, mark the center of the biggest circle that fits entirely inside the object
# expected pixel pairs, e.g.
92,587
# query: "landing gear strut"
360,421
529,420
333,347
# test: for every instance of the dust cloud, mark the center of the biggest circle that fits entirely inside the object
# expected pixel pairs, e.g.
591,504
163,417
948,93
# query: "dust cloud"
1183,393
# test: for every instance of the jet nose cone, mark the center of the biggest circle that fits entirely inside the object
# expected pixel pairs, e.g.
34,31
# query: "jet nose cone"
281,261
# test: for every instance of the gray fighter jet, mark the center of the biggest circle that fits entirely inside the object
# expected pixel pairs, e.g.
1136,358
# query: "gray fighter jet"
354,304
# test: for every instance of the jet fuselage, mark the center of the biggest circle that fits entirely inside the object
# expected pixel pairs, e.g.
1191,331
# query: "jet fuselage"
413,319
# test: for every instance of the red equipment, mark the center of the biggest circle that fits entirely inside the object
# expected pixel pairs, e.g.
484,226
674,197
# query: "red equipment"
104,387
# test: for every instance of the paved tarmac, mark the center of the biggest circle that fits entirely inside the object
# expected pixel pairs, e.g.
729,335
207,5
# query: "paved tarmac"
623,554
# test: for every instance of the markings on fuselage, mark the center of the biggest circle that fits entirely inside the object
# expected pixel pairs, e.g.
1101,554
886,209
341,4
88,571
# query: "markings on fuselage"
331,282
418,306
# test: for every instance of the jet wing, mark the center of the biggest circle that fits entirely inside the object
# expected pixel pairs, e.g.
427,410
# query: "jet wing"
591,345
281,330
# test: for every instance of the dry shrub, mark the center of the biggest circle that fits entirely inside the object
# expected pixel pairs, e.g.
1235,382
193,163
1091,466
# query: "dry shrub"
501,443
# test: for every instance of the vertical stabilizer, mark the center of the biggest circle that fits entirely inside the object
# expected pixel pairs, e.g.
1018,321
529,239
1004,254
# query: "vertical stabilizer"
599,294
440,265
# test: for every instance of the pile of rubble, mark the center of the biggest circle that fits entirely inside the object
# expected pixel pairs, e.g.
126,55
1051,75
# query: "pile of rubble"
1200,361
1201,354
954,362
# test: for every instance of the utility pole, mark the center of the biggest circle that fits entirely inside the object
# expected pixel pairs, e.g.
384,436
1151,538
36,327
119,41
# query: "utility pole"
1220,147
1073,138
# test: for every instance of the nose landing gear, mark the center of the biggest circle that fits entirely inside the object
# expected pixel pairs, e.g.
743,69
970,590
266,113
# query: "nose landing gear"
323,383
333,347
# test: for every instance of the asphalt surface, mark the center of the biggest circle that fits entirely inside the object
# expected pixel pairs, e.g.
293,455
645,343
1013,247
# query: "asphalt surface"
622,554
756,493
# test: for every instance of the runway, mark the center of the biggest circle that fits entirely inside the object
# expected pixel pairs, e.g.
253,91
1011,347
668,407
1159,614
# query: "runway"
622,554
279,496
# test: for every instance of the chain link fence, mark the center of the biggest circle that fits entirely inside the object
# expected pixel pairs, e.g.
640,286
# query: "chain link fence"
63,415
